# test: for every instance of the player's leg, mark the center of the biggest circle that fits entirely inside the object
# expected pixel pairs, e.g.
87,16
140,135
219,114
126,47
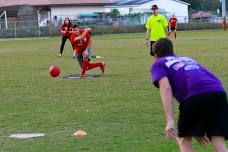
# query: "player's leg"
72,48
79,59
169,32
218,122
97,64
94,65
151,48
62,45
185,144
218,143
192,121
175,33
78,56
86,65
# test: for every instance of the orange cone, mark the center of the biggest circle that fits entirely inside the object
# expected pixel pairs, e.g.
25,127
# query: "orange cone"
80,133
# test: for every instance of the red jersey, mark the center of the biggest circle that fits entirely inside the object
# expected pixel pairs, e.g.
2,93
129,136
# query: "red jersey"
173,22
80,45
67,29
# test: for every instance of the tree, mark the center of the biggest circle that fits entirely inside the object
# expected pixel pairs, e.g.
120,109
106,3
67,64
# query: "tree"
195,4
205,5
114,13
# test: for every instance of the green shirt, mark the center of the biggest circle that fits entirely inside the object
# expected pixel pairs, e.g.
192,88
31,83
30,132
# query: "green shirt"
157,26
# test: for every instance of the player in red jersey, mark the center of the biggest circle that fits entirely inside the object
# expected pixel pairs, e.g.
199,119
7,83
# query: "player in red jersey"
82,41
173,26
66,32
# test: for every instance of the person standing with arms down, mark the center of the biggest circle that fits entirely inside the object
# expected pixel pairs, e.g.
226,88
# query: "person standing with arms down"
82,42
203,110
156,26
173,26
66,33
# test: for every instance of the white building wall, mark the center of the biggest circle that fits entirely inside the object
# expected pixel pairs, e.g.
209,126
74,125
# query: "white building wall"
123,10
73,12
180,10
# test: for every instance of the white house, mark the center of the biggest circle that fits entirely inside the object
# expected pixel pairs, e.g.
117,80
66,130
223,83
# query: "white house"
167,7
55,10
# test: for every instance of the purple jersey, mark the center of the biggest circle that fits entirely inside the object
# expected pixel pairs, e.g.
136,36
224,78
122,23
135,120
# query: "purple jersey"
187,77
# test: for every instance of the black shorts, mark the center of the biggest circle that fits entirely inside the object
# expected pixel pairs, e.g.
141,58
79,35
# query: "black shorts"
151,48
204,114
80,59
173,28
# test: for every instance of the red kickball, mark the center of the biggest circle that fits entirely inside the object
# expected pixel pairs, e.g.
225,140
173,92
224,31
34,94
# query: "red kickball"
54,70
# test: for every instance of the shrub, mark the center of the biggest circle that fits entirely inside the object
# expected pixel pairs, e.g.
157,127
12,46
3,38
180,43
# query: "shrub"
97,30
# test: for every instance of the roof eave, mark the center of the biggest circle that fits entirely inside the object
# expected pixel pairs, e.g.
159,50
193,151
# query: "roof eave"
59,5
123,6
183,2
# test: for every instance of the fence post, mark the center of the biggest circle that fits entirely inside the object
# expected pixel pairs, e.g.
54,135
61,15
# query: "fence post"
39,30
15,29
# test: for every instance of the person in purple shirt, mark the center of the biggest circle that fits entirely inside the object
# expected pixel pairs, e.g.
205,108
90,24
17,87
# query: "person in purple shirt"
203,110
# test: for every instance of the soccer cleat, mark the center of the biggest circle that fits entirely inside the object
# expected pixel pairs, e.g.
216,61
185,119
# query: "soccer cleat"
103,67
60,55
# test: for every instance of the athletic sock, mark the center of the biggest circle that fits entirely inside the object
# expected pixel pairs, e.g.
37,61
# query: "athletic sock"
85,64
94,65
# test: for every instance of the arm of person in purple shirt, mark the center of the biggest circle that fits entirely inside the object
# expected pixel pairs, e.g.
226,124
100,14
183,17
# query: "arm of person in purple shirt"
167,101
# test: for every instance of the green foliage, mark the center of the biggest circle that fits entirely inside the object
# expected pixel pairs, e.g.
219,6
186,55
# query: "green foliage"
195,4
25,32
114,13
98,30
205,5
134,15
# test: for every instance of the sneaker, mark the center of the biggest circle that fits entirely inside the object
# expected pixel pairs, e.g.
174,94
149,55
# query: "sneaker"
60,55
82,76
103,67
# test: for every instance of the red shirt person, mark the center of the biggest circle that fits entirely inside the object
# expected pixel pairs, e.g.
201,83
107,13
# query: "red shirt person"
66,32
81,45
82,42
173,26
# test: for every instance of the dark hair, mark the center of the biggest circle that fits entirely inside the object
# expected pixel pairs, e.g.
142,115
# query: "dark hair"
67,18
75,26
154,7
163,47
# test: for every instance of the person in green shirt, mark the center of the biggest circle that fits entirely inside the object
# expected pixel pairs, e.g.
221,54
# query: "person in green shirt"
157,27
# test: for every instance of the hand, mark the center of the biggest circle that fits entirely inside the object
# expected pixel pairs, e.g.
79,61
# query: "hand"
85,54
170,130
203,140
146,43
88,29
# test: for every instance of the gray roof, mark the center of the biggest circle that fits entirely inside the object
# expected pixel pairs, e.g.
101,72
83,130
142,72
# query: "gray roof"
56,2
132,2
139,2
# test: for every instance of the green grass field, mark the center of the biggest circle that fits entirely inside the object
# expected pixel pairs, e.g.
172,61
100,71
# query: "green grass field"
121,111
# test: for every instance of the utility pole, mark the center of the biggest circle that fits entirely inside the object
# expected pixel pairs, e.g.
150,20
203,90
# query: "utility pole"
224,26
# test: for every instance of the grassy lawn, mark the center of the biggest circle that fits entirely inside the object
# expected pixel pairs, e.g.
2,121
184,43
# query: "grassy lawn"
121,111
